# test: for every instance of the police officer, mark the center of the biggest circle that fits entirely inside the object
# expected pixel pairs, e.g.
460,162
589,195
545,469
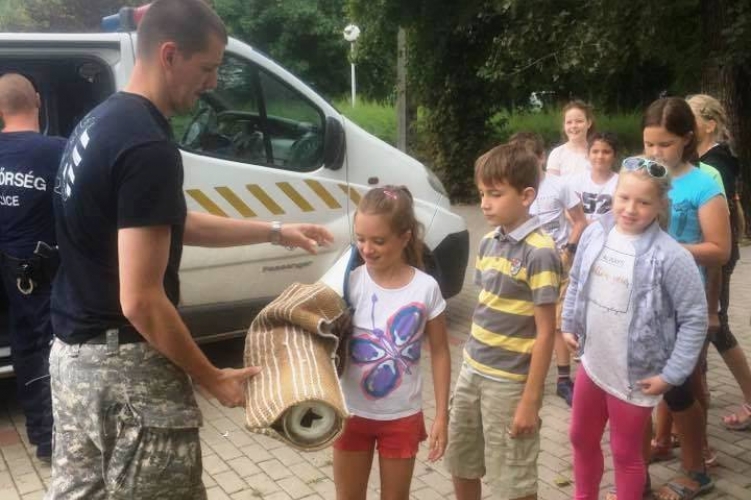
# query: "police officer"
126,419
28,162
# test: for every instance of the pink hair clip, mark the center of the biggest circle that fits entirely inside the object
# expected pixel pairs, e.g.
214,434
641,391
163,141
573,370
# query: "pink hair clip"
390,194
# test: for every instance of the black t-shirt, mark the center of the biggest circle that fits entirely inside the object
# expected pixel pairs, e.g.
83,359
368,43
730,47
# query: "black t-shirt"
28,162
721,158
120,169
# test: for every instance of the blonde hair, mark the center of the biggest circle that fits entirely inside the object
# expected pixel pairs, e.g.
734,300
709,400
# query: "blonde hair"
396,204
662,186
709,108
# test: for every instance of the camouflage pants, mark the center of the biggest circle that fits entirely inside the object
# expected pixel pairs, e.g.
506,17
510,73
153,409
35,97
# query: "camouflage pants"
126,425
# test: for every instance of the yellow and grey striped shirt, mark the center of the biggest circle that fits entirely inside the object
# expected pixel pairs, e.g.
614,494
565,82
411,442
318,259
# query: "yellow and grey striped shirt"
516,271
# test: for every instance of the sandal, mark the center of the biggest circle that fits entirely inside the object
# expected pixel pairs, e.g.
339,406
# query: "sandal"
675,441
660,452
734,422
686,487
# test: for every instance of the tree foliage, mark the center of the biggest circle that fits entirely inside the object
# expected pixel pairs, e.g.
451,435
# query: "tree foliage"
61,15
468,59
304,35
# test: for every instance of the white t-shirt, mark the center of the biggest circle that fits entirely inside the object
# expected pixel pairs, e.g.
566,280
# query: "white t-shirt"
597,199
564,161
382,379
554,197
609,311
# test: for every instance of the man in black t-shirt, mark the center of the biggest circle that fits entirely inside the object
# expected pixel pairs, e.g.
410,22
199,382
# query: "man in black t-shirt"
28,162
126,417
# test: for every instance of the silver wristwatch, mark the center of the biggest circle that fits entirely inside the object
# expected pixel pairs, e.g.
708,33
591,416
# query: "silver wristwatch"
275,236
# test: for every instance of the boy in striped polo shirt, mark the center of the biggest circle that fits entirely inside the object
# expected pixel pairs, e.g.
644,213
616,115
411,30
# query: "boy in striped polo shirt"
494,422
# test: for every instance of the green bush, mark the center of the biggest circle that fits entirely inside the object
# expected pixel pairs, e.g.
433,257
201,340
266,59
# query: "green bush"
549,125
380,120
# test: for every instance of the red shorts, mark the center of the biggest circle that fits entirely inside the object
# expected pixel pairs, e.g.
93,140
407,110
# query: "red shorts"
398,438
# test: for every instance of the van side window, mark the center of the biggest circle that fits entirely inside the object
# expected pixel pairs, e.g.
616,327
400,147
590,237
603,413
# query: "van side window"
253,117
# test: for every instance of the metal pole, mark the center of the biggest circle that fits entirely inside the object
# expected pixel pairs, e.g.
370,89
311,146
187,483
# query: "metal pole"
352,66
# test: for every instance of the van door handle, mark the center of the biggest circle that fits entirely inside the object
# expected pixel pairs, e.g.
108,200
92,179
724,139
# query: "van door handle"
373,181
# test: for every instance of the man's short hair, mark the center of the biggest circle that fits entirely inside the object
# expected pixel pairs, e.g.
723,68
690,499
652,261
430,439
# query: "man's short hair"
188,23
17,94
511,163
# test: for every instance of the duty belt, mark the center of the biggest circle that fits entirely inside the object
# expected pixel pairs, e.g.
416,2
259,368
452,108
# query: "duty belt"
39,269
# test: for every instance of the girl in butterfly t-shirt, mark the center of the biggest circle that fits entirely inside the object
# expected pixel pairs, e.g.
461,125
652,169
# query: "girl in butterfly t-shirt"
395,306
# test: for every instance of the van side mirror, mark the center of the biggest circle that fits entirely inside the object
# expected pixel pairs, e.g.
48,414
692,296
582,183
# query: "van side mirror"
334,144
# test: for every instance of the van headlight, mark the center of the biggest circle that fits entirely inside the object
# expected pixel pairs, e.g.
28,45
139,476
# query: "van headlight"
436,183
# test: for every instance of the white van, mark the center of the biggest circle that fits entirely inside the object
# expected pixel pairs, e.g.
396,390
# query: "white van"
262,145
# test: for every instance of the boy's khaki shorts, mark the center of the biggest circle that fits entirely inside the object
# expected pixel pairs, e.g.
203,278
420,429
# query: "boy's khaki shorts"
482,411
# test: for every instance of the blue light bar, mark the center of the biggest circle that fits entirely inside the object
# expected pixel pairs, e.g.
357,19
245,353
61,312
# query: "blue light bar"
126,19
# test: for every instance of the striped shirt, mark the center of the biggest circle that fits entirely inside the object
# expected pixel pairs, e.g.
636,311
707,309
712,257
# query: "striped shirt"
516,271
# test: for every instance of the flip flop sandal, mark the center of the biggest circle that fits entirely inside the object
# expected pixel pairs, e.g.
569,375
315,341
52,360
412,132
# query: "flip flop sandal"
733,423
659,452
684,491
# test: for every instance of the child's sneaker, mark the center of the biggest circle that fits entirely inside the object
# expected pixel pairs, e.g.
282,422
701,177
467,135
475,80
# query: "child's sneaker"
565,389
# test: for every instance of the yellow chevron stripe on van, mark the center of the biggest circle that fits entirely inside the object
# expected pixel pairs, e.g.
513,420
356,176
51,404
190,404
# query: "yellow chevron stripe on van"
351,192
265,199
295,196
323,194
235,201
206,202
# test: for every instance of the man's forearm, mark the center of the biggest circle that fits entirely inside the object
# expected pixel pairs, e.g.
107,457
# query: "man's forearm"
213,231
160,324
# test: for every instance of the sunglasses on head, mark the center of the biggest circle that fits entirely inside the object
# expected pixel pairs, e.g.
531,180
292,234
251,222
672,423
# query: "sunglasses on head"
653,168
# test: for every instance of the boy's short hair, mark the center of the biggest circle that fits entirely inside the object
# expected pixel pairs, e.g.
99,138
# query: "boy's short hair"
510,163
531,140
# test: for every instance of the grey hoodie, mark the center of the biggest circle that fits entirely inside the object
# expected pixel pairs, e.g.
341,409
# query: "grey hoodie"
669,319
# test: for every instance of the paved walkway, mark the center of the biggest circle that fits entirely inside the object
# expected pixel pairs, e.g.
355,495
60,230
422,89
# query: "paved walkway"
239,465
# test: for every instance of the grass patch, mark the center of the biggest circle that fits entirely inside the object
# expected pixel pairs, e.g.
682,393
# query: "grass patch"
377,118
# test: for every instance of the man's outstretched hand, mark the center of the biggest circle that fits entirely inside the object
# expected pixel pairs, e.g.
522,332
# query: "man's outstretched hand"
306,236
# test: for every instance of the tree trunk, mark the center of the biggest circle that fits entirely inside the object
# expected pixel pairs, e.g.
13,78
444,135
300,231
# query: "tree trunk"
728,81
737,103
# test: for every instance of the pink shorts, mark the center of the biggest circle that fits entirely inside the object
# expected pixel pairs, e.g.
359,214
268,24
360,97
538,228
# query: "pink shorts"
398,438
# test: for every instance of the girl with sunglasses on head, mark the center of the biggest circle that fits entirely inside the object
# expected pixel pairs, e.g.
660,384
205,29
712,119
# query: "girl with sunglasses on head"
699,221
714,148
636,313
